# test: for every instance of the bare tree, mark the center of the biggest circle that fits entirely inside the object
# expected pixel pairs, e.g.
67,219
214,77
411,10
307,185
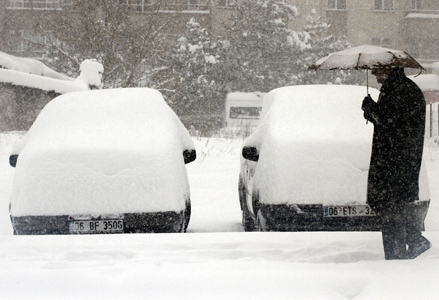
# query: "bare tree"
130,45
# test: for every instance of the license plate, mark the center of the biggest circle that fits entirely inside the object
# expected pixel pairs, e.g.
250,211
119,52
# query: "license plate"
96,226
348,211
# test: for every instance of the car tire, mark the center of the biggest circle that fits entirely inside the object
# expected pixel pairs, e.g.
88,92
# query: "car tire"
187,216
260,222
247,221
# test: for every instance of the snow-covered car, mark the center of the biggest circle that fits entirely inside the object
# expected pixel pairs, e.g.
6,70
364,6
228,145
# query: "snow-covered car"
103,161
305,167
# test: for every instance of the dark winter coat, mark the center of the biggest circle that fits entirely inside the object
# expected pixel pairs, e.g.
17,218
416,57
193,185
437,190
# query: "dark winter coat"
399,127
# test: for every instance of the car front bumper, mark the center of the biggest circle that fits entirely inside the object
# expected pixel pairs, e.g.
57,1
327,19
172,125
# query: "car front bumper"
160,222
283,217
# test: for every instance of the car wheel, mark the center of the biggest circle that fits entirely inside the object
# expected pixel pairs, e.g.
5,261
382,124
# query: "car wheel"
241,193
187,216
260,221
247,220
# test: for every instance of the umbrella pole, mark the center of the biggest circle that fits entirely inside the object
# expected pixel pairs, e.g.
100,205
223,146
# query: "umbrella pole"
367,87
367,81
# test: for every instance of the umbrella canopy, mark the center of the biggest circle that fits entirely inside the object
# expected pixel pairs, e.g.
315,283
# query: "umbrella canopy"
366,57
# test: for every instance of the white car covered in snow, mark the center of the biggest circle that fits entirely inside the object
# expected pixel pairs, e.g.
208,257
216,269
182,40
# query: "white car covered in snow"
103,161
305,167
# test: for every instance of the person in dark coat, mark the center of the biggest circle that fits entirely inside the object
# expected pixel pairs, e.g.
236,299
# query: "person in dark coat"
393,181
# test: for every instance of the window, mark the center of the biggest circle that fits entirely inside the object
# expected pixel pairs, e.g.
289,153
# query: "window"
195,5
417,4
383,5
138,5
16,42
172,5
225,3
336,4
237,112
35,4
26,41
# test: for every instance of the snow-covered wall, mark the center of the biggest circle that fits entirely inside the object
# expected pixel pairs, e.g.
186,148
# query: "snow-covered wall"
32,73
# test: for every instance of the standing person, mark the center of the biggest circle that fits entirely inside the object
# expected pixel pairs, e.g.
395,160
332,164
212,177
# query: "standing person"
393,181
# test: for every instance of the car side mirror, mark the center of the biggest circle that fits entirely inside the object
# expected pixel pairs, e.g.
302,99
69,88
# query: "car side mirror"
13,160
189,156
250,153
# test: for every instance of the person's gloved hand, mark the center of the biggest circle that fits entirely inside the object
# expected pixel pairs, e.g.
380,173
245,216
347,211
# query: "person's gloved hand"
368,103
368,107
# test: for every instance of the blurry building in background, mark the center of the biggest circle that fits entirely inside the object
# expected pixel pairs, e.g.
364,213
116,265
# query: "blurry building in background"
410,25
17,19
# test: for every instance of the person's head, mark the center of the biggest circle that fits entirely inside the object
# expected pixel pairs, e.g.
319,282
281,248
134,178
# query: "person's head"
381,74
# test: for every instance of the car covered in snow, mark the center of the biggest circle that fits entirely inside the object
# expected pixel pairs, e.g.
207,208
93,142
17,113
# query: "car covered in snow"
305,167
103,161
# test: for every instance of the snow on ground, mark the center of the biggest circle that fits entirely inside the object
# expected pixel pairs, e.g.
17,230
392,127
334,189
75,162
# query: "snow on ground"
215,259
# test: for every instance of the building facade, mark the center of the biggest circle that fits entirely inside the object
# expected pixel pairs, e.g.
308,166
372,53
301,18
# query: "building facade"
410,25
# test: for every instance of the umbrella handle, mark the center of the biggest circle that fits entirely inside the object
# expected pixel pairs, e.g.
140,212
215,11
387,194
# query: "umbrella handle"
367,87
367,81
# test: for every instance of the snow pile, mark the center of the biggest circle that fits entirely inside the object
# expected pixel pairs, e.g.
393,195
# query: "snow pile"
101,152
299,39
210,59
30,66
314,146
34,74
91,73
41,82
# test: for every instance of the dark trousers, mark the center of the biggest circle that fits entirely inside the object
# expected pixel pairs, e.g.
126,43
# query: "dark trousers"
401,230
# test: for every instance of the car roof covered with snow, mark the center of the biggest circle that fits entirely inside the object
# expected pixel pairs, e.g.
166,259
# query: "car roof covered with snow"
88,150
314,145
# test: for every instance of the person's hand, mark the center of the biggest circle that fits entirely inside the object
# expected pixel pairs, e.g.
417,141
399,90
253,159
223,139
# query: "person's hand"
368,107
367,103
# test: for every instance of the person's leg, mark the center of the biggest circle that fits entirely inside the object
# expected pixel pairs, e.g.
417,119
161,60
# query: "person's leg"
393,233
417,244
